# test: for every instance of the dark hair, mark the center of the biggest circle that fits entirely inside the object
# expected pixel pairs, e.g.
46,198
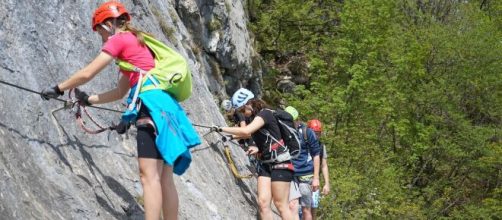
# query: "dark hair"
257,105
230,115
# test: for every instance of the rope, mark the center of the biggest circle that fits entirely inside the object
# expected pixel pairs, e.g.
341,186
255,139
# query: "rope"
58,99
232,165
231,162
81,124
92,119
226,149
78,116
80,121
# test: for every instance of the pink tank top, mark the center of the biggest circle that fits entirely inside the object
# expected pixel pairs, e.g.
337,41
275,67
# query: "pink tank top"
125,46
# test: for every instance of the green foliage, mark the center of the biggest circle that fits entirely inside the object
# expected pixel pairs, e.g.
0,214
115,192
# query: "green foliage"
277,19
410,96
214,24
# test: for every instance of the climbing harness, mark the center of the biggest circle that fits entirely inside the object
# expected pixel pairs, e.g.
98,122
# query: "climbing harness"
146,122
76,106
282,166
78,116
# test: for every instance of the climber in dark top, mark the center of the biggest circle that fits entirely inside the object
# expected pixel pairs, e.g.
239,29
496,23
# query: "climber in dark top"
239,120
273,177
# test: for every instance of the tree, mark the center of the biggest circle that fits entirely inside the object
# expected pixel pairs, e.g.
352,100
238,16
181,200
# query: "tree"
410,94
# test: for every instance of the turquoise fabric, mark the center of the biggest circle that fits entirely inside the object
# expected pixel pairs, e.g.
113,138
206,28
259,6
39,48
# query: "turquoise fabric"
175,133
131,115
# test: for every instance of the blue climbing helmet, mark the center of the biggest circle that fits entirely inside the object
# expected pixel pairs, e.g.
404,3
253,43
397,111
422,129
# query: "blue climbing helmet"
241,97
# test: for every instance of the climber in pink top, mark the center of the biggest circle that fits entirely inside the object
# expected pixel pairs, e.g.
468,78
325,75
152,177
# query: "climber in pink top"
125,46
163,149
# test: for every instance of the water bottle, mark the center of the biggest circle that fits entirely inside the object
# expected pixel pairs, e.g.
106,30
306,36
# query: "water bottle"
315,199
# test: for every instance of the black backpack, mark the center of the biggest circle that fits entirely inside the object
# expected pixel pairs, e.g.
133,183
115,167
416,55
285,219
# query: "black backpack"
292,145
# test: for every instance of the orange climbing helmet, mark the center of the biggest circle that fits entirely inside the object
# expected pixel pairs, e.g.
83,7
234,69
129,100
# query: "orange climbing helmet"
315,125
110,9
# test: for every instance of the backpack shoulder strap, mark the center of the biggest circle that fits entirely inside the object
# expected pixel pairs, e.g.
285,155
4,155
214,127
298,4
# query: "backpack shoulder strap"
264,130
304,131
267,132
271,110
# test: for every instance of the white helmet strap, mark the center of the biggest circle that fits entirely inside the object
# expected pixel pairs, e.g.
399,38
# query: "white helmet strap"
105,27
108,29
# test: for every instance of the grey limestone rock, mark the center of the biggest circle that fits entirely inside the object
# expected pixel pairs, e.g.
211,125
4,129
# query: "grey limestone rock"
51,169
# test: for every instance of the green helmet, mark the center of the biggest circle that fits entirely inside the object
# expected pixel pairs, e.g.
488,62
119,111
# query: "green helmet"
292,111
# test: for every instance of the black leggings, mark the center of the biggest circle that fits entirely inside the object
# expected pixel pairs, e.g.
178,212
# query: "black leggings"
146,144
145,139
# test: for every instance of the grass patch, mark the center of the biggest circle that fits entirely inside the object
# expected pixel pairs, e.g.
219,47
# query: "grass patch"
214,24
174,15
196,49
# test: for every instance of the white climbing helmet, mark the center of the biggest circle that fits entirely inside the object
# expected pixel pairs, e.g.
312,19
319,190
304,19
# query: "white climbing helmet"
241,97
226,105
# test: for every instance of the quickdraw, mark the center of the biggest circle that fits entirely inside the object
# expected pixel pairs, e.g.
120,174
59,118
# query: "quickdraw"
78,117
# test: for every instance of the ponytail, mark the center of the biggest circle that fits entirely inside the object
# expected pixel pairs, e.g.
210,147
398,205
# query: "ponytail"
138,33
123,24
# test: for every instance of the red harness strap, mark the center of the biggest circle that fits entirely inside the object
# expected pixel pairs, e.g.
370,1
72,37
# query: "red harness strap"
276,145
81,123
283,166
146,122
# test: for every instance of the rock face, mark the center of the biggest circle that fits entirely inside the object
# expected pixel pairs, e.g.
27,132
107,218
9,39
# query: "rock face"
51,169
220,28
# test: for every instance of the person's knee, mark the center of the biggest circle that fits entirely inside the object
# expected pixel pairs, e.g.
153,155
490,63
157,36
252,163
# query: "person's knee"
307,213
281,205
306,210
148,177
264,204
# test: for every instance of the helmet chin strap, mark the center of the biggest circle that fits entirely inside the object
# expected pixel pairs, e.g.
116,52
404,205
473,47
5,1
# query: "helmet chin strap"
111,31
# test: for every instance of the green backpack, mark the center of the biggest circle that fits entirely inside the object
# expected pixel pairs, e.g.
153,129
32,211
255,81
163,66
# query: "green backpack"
171,71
